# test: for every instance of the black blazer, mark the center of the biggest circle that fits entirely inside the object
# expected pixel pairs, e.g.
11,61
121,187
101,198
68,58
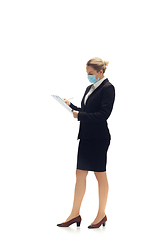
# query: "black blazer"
93,116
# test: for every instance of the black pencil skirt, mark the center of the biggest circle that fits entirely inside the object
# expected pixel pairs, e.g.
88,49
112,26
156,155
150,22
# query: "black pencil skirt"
92,154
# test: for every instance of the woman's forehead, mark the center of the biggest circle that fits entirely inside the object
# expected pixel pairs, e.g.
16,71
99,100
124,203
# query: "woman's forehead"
90,69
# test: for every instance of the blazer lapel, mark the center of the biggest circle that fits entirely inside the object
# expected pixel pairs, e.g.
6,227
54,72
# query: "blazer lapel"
99,87
89,87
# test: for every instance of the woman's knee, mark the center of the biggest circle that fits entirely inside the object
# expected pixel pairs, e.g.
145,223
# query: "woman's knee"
81,173
100,176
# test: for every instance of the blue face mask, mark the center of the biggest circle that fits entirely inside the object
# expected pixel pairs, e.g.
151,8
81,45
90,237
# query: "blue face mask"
92,78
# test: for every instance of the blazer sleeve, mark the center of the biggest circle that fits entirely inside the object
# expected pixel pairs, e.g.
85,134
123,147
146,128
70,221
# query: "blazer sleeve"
103,114
74,107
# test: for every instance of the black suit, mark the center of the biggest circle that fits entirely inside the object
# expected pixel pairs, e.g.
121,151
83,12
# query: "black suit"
94,134
97,110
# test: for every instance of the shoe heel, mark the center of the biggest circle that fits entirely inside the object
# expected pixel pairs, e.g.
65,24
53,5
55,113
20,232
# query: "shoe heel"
78,224
104,224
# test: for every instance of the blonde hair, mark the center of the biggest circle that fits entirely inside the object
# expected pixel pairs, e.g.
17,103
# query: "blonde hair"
98,64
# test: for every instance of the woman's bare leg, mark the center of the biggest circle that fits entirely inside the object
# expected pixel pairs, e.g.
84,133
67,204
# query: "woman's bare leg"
80,189
103,194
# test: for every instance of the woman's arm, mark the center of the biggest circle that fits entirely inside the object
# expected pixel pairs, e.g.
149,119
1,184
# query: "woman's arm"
105,110
74,107
71,105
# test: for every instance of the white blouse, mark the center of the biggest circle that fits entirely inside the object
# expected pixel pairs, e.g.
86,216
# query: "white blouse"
94,86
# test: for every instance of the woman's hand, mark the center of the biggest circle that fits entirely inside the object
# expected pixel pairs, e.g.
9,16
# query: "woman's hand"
66,101
75,114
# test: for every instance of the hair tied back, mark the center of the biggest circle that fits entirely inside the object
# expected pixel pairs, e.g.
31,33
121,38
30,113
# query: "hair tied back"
98,64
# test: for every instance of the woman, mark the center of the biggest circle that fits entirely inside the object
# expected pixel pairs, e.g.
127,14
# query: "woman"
96,107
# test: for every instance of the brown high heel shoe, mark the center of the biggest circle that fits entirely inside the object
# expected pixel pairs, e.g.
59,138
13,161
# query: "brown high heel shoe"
103,221
74,220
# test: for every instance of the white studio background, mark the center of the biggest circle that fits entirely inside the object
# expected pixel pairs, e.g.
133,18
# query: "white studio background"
44,47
